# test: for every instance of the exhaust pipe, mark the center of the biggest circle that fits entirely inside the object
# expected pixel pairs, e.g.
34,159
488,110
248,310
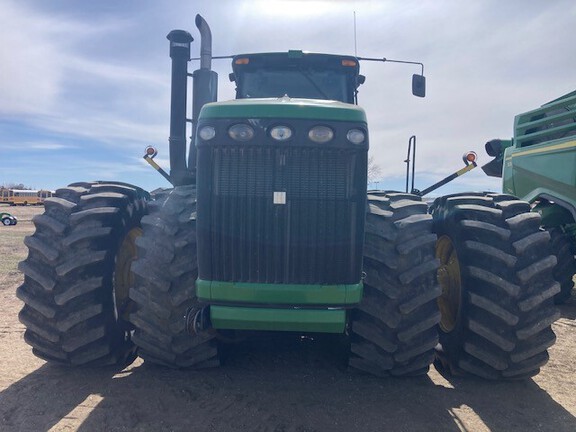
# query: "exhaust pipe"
205,86
180,54
205,43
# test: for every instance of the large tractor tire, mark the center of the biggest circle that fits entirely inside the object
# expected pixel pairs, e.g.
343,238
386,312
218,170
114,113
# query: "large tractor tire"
564,249
393,331
165,274
77,274
496,274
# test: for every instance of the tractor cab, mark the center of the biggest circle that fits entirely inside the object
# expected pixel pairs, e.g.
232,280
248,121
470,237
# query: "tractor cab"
296,74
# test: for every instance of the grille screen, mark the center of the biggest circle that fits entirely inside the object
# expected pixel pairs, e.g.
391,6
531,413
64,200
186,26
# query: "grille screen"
314,236
304,173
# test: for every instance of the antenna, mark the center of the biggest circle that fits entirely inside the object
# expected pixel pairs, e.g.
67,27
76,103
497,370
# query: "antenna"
355,45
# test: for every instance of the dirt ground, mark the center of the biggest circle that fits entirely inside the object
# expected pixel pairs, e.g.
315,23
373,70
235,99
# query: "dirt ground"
281,383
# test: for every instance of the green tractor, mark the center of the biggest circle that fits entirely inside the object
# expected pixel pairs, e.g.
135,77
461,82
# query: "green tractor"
537,164
269,227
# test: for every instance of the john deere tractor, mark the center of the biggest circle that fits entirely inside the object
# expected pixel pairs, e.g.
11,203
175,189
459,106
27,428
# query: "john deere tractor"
538,165
269,227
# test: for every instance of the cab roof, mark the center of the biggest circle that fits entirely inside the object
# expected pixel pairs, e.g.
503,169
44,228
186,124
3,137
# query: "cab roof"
296,58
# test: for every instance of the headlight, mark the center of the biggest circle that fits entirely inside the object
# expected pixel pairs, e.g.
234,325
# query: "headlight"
356,136
241,132
321,134
207,133
281,133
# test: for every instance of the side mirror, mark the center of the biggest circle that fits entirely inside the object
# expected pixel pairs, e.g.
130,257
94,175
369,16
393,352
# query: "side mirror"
419,85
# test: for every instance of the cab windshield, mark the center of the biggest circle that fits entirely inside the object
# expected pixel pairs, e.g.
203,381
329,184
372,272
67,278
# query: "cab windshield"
296,83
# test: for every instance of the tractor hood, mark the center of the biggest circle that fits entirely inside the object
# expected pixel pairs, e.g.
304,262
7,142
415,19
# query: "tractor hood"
284,107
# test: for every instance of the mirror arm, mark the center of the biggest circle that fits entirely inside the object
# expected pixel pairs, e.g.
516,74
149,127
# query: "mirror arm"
384,59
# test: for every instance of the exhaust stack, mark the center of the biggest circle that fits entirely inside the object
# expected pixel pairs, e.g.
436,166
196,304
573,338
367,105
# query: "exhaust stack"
205,43
205,86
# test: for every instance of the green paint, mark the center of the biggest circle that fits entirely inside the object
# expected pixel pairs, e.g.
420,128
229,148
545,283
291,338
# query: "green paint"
542,159
236,292
308,320
322,110
295,54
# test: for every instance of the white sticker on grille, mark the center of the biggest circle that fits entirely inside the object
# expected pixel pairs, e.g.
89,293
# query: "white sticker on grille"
279,197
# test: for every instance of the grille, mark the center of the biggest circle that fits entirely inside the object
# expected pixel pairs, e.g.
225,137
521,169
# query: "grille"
315,237
554,120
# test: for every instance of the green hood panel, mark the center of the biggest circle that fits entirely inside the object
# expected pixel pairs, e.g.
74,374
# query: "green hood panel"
284,108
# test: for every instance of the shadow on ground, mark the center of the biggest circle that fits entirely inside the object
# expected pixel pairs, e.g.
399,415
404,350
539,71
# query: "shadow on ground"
279,384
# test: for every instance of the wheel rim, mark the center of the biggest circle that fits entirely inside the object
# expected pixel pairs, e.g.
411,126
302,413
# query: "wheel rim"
448,274
123,278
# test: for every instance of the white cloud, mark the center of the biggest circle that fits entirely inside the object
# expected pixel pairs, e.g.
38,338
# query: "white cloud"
52,82
43,145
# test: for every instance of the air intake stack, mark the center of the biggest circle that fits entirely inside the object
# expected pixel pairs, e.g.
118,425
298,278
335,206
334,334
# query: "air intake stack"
180,54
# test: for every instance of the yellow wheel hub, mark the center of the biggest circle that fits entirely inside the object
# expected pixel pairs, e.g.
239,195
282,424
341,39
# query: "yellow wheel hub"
123,278
449,279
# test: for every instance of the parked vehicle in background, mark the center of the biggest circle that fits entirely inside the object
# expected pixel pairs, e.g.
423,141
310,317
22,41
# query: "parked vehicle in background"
24,196
7,219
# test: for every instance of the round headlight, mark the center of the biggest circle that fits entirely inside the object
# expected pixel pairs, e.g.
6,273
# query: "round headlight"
281,133
207,133
321,134
241,132
356,136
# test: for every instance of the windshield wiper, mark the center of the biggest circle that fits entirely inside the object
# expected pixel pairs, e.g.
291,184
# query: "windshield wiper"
316,86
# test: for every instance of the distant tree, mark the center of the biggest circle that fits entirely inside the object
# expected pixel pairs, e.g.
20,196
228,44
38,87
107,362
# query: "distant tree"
15,186
374,170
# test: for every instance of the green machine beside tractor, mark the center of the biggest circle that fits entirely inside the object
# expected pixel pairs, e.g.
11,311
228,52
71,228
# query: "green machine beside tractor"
269,227
539,165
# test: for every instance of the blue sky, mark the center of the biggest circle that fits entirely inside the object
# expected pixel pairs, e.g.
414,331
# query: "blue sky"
84,86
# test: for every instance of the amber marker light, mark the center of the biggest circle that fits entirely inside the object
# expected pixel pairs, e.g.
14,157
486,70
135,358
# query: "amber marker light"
242,61
351,63
470,157
151,152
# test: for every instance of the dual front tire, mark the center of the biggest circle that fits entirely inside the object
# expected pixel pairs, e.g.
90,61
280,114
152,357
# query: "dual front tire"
474,275
77,274
104,279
